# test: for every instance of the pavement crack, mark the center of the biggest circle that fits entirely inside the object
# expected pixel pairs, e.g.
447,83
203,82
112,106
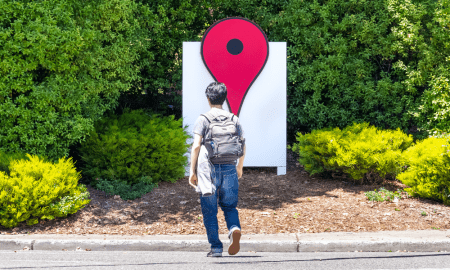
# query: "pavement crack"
298,242
32,244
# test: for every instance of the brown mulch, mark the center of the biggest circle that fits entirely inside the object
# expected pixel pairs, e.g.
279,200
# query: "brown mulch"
292,203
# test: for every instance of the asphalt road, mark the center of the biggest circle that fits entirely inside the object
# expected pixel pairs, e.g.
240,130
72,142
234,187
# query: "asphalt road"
244,260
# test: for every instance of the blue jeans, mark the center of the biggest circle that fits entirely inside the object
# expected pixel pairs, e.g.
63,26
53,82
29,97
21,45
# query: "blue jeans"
224,177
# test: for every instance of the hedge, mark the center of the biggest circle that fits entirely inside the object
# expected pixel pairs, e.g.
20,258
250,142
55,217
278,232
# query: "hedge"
63,63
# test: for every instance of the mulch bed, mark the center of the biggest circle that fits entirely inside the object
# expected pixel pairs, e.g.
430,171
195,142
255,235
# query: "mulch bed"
268,204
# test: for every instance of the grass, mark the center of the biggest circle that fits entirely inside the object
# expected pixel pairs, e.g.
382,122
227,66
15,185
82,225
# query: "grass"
385,195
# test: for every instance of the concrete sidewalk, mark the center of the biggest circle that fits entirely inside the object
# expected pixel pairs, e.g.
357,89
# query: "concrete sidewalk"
418,241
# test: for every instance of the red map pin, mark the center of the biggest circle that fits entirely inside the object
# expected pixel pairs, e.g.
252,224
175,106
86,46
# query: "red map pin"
235,51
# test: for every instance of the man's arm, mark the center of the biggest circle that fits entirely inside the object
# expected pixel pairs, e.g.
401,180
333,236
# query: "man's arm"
240,166
194,156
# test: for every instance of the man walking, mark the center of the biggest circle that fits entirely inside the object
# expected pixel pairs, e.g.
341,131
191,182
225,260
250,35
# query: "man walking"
224,173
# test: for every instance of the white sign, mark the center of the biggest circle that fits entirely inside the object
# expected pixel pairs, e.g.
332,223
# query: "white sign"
263,112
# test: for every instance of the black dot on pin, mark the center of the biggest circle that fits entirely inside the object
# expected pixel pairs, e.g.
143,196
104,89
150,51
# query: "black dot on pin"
235,46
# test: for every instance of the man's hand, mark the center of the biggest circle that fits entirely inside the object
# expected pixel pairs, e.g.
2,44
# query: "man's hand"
240,171
194,156
193,180
240,165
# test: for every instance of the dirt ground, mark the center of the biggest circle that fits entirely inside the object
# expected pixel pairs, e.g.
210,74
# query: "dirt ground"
268,204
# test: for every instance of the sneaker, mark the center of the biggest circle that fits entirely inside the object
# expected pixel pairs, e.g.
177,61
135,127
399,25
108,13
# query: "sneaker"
235,237
214,254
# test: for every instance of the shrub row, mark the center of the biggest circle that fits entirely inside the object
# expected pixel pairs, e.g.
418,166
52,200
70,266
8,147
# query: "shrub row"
366,154
124,155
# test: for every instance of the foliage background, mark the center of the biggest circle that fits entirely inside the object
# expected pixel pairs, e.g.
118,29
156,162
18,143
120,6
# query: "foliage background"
355,61
64,63
385,62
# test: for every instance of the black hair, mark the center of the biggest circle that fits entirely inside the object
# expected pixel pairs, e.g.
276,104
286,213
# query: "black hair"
216,92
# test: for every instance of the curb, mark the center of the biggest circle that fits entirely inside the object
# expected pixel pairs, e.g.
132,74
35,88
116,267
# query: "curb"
143,245
417,241
376,246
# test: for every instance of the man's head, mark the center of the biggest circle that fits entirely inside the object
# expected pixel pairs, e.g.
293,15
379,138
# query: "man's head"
216,93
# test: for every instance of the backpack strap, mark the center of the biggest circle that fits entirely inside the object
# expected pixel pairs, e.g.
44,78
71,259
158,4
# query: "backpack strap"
210,116
207,118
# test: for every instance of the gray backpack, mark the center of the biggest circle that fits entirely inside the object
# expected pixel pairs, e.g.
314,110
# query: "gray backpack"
222,140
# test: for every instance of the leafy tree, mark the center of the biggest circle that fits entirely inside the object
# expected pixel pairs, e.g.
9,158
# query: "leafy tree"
63,63
345,59
433,71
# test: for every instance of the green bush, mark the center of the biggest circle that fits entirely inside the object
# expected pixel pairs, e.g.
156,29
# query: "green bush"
63,63
39,189
428,169
133,145
364,152
125,190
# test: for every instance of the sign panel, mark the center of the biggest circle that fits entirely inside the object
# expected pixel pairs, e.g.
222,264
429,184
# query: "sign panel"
262,114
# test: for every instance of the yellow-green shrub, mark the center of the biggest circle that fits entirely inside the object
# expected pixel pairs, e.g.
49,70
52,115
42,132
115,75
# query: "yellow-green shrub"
7,158
428,171
361,151
37,189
